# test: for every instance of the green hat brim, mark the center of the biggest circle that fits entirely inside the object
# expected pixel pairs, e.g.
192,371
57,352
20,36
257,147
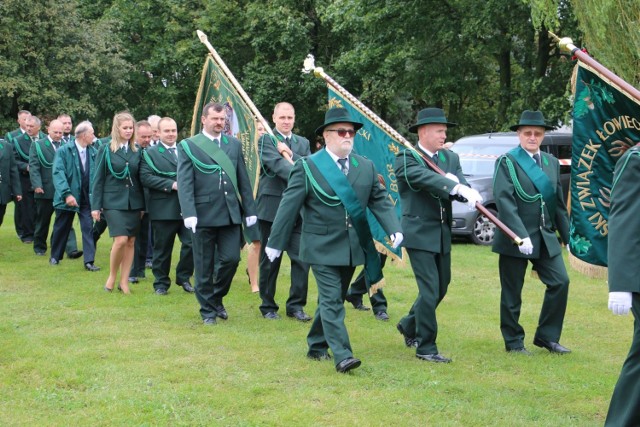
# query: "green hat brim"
414,128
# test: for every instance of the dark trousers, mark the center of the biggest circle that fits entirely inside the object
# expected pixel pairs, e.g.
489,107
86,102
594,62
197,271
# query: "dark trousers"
328,329
214,247
359,287
164,236
553,274
44,212
433,274
62,227
3,209
25,211
140,251
269,273
624,409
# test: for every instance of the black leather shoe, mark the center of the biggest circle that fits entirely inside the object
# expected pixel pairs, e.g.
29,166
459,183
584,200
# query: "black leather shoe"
318,356
520,350
53,261
38,253
75,254
160,291
437,358
89,266
356,301
222,312
382,315
209,321
186,286
348,364
300,316
148,264
272,315
553,347
133,279
408,341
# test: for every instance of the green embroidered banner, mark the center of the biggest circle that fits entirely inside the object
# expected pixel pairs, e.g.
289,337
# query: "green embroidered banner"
606,123
240,123
378,146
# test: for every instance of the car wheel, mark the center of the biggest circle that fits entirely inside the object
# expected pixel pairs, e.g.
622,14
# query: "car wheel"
483,229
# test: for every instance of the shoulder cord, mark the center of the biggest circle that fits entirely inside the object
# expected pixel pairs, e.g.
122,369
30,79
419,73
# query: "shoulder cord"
43,161
147,159
523,195
624,165
317,190
202,167
419,159
117,175
22,154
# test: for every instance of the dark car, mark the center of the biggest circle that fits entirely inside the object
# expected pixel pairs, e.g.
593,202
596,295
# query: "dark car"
478,154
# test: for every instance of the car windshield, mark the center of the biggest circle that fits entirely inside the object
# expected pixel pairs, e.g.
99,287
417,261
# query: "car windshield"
478,155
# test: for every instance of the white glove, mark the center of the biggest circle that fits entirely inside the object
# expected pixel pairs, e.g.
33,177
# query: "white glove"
396,239
272,254
526,248
250,220
191,222
470,194
620,303
452,177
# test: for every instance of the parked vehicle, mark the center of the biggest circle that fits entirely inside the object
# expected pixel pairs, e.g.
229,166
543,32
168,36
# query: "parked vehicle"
478,154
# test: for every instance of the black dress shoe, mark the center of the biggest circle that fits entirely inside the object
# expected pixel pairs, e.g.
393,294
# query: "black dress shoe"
89,266
38,253
148,264
437,358
272,315
300,316
356,301
408,341
209,320
133,279
186,286
348,364
160,291
75,254
319,356
53,261
520,350
382,315
108,289
553,347
222,312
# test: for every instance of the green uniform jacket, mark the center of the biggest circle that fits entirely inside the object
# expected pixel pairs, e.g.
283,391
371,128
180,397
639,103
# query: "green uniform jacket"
67,175
163,202
328,238
426,200
274,172
211,197
10,137
624,230
524,218
109,192
41,168
9,176
22,147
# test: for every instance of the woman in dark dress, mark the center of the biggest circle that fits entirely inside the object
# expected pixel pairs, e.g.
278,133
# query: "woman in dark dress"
117,192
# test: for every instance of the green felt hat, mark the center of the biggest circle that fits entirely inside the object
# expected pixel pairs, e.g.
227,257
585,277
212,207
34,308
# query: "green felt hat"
532,118
430,116
337,115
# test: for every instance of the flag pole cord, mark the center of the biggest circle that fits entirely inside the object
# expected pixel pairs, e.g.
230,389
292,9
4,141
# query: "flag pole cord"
218,60
309,66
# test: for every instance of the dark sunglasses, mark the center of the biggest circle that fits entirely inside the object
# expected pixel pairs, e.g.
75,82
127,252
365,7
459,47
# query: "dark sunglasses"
343,132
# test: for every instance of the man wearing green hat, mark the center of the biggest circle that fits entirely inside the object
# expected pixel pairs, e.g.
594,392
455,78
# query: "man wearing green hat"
425,197
332,189
528,194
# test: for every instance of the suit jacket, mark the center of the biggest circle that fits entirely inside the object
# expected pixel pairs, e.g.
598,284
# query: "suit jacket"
211,197
41,169
162,201
274,172
21,148
10,137
67,175
9,176
426,200
524,218
624,227
109,192
328,238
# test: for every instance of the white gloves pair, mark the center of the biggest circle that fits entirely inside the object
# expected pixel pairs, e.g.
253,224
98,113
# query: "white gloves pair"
192,221
526,248
468,193
620,303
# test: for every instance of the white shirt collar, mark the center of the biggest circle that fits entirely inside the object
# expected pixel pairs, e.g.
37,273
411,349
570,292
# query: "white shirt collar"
167,146
79,147
429,153
211,137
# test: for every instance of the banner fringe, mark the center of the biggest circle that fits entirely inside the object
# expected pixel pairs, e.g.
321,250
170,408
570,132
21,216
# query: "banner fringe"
589,270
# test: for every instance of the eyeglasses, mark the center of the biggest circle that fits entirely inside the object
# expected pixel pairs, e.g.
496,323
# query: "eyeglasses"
536,133
343,132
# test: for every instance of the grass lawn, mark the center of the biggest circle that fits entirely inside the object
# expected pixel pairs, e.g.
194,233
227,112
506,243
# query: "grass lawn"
72,354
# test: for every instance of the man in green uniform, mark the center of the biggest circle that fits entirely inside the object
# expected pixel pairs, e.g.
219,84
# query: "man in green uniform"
332,189
529,198
624,282
67,127
426,220
215,197
274,175
11,138
158,175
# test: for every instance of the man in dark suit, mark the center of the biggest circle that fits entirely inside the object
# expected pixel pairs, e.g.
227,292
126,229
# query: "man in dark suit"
333,188
158,174
9,178
11,138
624,282
72,182
274,175
529,199
215,197
426,220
